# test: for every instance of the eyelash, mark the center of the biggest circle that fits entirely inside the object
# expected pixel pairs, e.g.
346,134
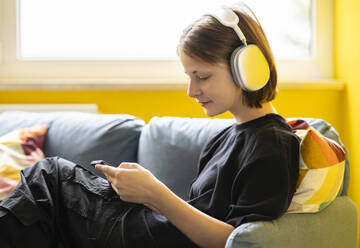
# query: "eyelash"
203,79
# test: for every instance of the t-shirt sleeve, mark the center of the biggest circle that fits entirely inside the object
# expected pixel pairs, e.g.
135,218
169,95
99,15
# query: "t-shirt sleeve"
262,190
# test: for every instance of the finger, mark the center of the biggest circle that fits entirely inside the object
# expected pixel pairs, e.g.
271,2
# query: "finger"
108,170
115,189
128,166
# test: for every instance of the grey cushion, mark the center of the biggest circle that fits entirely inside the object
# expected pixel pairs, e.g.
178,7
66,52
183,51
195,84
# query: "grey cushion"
170,148
334,227
82,137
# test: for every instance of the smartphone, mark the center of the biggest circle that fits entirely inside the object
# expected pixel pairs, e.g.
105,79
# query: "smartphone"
95,162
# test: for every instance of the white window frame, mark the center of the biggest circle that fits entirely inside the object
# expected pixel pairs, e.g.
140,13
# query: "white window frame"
319,67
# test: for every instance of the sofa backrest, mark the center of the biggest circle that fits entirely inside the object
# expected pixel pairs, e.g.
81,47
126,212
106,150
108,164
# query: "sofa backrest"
170,148
82,137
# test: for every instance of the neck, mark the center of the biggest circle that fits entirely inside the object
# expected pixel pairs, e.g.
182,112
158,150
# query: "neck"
248,114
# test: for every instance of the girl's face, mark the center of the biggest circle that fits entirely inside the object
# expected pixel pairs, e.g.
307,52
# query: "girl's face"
212,86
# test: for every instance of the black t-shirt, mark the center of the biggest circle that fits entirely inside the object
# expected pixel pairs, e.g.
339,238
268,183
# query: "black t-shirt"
247,172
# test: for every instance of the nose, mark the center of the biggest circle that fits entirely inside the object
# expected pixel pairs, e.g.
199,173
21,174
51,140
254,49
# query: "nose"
193,89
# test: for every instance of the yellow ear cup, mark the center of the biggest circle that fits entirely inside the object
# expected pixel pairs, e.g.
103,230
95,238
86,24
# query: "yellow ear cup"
250,67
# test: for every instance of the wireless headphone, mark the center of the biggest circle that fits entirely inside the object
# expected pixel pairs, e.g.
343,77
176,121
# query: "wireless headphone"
249,67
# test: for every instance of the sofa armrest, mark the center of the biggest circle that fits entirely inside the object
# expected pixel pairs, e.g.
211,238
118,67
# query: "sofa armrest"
335,226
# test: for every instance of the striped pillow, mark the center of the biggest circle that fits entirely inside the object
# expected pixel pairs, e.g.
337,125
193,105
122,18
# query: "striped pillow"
322,165
18,150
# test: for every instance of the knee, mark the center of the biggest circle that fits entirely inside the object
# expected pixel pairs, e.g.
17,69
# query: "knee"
49,166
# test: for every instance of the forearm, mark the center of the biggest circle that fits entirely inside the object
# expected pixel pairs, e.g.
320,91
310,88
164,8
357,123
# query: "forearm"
135,184
201,228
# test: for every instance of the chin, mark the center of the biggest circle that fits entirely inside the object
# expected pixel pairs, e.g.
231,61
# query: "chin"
213,113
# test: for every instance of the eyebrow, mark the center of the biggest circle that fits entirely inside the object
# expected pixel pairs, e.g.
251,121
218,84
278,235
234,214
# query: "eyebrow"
194,72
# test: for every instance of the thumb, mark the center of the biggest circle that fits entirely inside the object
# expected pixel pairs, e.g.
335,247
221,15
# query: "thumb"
128,166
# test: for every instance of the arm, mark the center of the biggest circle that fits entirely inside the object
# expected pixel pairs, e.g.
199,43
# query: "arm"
201,228
135,184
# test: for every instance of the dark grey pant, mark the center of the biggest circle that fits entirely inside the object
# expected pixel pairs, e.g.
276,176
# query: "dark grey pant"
59,202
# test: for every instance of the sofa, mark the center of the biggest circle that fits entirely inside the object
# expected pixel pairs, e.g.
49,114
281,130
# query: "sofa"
169,147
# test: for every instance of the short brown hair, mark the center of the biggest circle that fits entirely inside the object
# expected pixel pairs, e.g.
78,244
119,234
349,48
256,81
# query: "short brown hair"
210,41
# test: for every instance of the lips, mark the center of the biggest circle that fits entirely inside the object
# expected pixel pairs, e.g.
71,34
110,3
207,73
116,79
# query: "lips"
203,103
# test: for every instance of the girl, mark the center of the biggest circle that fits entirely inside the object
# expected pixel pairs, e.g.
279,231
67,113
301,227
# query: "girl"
247,172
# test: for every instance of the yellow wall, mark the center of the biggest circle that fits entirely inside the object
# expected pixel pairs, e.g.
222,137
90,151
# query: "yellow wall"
324,104
347,68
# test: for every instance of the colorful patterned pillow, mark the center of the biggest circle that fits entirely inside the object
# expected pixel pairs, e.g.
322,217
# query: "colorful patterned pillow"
18,150
322,165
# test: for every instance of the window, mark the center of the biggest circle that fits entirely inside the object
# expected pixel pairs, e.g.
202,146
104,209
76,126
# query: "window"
109,29
137,39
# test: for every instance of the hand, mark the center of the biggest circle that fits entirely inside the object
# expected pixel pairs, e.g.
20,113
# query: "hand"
133,183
